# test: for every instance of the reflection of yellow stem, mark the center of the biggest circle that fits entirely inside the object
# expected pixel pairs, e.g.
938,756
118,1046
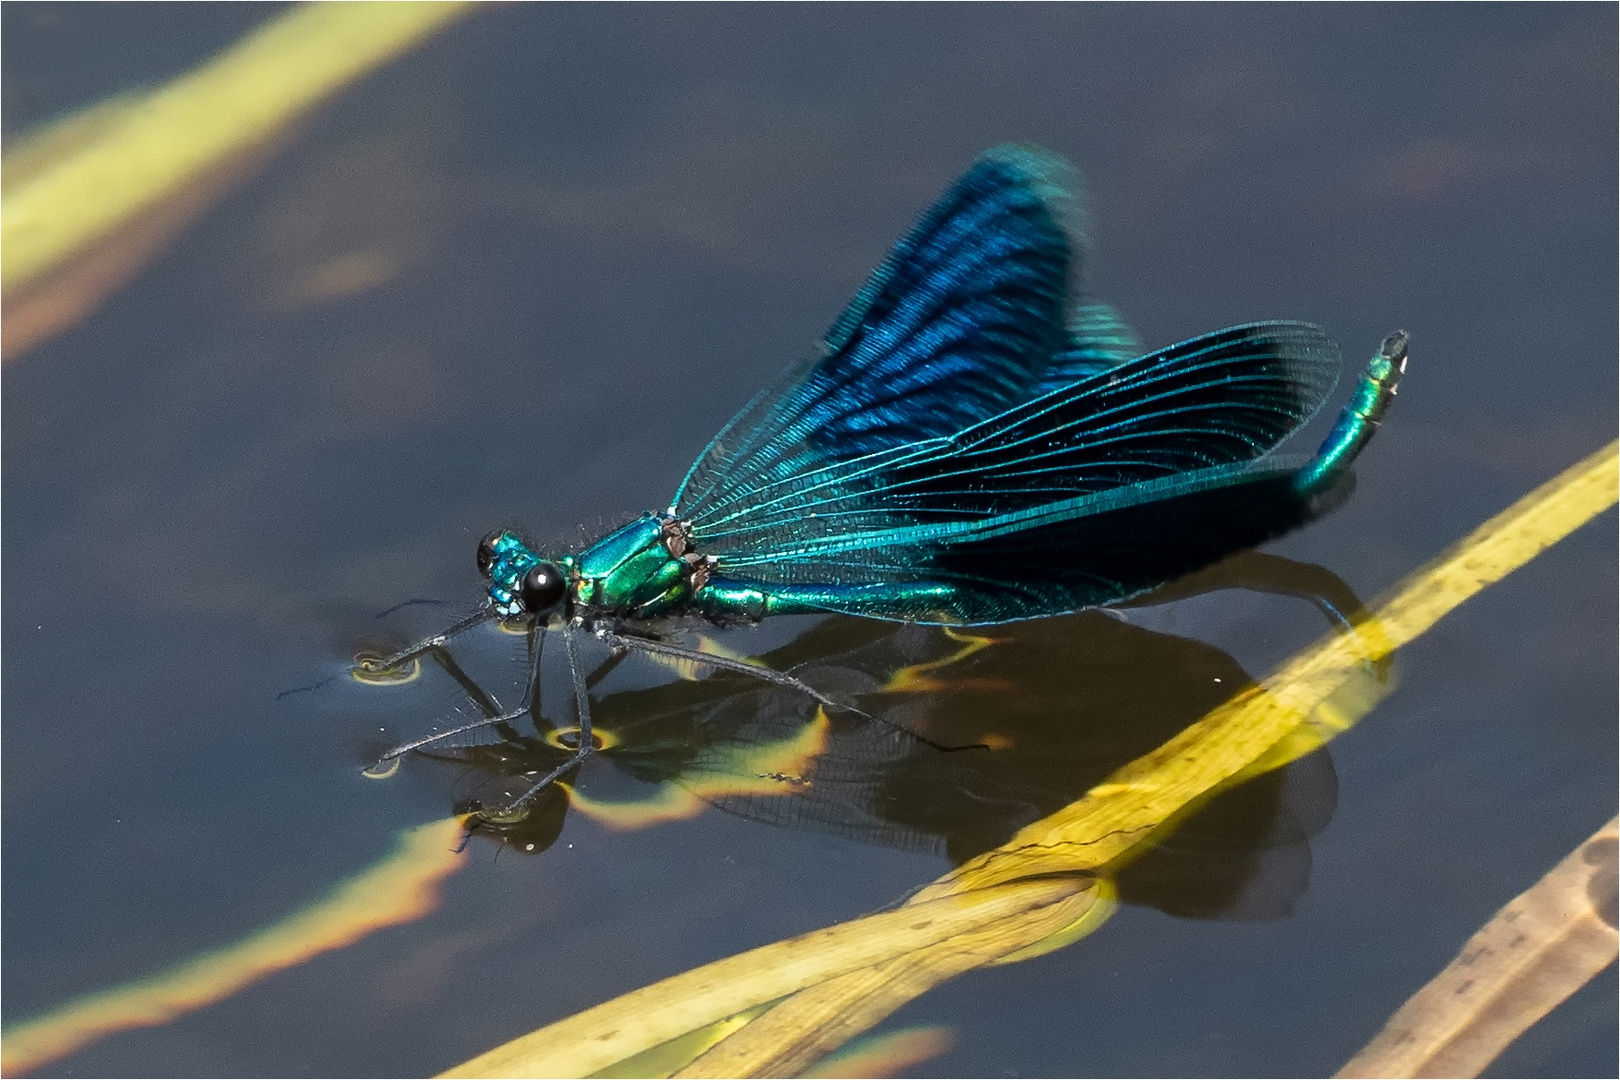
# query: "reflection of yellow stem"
401,888
668,802
163,139
918,677
1041,885
775,768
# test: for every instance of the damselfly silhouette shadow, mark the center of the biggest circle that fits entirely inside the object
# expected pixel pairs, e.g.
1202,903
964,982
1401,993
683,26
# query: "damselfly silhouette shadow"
962,736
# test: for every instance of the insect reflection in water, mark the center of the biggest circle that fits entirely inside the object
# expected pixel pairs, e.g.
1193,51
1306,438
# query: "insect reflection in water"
962,736
975,444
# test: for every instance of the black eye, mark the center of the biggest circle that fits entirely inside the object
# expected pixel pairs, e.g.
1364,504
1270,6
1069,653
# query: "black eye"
486,553
542,589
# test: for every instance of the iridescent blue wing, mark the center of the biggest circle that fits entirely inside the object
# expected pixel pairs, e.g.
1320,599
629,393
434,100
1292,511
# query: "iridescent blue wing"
1098,341
963,321
1084,496
1220,400
964,418
1075,554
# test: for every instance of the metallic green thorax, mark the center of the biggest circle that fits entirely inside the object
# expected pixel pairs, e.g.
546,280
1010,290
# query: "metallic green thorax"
638,570
643,570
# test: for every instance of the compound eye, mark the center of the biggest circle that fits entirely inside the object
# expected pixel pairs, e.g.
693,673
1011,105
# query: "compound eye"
542,589
486,553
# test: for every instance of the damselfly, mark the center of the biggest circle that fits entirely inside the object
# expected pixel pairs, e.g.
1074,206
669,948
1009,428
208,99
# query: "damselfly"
975,442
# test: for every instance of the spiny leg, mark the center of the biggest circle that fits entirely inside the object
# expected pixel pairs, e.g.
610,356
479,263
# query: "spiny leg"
606,667
582,697
385,669
582,710
537,646
394,660
497,713
623,644
758,671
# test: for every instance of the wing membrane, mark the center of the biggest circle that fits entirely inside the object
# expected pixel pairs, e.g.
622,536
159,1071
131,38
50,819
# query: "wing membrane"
1085,553
1098,340
960,323
968,430
1218,401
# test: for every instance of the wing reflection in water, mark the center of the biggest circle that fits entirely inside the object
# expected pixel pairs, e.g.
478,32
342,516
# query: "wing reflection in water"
969,735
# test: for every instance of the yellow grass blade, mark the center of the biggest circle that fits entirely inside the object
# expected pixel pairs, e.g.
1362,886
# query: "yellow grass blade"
1539,949
847,978
401,888
599,1037
91,198
162,138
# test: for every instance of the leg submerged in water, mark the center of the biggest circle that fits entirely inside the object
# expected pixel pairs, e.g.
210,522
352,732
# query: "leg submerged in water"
582,750
381,664
495,713
654,647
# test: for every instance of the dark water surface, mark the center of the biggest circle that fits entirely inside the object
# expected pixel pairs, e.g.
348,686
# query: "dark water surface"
577,239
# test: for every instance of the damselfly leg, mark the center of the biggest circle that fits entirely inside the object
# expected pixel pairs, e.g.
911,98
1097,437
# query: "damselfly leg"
495,714
654,647
583,747
580,740
380,664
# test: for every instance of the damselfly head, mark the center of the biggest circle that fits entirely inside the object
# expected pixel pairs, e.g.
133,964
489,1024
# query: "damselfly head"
543,588
486,552
520,582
